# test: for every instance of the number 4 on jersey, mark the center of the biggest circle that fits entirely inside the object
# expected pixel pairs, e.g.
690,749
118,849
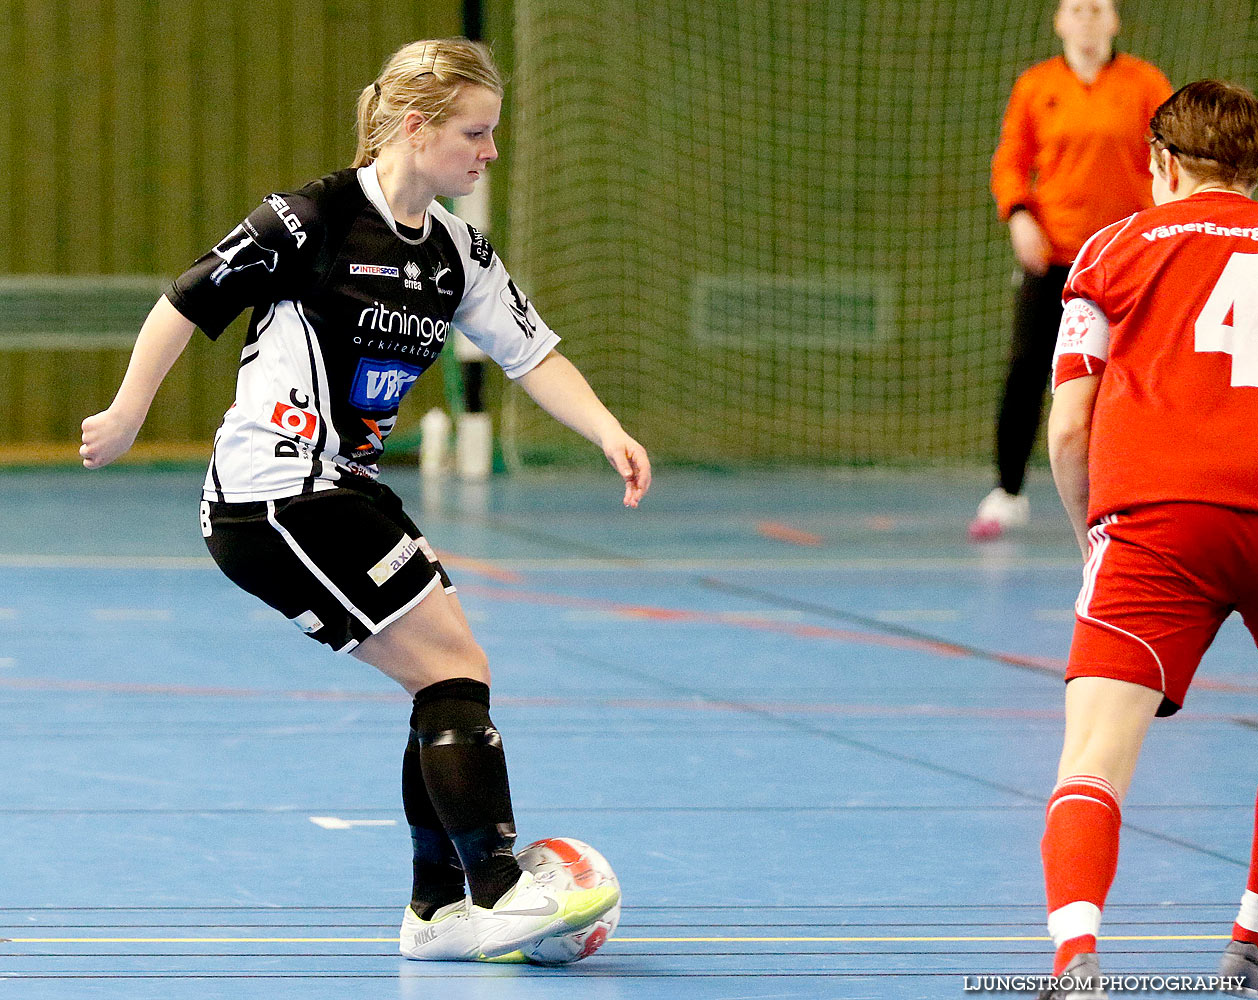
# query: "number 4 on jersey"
1228,322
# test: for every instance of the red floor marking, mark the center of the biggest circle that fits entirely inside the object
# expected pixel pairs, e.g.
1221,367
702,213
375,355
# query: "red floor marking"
924,711
780,532
683,616
189,691
481,567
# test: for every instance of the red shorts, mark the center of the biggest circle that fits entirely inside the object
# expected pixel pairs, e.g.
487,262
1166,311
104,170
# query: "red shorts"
1158,582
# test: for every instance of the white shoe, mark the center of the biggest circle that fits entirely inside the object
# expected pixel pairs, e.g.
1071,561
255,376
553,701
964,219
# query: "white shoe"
447,937
533,909
999,512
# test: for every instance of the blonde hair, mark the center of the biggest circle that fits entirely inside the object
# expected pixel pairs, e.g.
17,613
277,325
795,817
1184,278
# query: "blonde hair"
424,76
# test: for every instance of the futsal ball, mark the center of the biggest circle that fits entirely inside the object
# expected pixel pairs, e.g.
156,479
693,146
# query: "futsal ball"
573,865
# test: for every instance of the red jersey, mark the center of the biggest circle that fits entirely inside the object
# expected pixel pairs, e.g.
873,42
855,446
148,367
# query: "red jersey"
1164,306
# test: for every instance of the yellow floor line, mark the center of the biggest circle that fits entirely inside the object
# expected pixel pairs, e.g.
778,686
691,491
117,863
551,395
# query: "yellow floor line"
622,940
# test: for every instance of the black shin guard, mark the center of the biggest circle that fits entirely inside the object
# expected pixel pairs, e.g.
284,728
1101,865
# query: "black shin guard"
437,876
465,773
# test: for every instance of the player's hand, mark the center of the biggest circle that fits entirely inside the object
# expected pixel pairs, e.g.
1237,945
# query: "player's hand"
1030,245
629,459
106,435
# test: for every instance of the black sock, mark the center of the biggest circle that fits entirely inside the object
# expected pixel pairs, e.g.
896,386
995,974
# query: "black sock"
465,773
437,876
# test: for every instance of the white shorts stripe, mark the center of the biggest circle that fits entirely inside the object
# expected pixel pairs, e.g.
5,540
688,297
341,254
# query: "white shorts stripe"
1130,635
1098,543
409,604
322,577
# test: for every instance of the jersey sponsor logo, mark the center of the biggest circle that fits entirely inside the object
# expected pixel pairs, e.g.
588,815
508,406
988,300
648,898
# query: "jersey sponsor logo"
515,301
375,437
308,622
380,385
295,421
394,560
403,323
481,251
296,448
439,272
411,270
379,270
239,250
288,217
1202,228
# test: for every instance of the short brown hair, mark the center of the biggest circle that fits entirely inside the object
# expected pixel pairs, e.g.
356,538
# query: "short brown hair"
1212,127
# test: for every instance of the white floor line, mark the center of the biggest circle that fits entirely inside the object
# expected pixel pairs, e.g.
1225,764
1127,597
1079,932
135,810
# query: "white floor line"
132,614
985,564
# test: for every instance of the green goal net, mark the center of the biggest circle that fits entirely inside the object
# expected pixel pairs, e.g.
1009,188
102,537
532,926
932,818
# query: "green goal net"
764,228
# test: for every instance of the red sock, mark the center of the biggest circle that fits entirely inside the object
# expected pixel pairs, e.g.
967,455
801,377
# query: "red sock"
1248,931
1080,852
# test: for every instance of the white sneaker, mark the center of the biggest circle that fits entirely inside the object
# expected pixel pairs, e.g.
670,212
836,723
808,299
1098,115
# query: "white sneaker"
533,909
999,512
447,937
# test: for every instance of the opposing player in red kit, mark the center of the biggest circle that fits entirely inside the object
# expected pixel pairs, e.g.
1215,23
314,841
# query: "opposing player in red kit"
1155,455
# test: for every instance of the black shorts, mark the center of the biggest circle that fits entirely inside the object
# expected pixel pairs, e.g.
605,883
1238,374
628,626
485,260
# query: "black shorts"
341,564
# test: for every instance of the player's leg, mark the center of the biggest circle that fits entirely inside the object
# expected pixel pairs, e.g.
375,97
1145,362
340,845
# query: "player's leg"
354,572
291,555
431,652
1106,721
1036,317
1240,958
1156,588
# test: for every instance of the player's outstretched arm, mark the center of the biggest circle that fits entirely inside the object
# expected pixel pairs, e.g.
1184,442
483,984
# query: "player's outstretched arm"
108,434
559,389
1069,432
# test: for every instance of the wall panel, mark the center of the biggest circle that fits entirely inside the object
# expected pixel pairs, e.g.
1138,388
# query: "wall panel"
135,133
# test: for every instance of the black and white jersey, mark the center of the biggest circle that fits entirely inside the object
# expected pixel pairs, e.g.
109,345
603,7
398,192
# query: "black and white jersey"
347,313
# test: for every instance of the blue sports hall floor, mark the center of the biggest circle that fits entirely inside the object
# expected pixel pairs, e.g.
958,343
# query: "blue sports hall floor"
811,725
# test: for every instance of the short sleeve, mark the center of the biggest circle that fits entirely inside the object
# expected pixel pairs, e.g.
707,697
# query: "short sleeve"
494,313
1082,342
262,261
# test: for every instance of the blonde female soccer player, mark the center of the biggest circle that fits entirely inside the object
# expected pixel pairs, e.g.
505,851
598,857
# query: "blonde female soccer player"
1151,437
354,281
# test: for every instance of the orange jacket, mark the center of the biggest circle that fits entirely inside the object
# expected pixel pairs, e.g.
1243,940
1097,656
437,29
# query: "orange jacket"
1075,155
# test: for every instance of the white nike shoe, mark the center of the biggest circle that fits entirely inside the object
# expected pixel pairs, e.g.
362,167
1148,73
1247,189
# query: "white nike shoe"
534,908
998,512
447,937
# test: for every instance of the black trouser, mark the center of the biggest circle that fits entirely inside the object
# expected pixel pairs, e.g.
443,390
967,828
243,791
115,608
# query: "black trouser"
1036,317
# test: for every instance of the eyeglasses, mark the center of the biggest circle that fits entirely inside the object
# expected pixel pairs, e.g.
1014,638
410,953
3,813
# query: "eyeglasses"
1157,140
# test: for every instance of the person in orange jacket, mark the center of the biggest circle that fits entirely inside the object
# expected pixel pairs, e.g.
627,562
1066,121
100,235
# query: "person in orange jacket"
1072,159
